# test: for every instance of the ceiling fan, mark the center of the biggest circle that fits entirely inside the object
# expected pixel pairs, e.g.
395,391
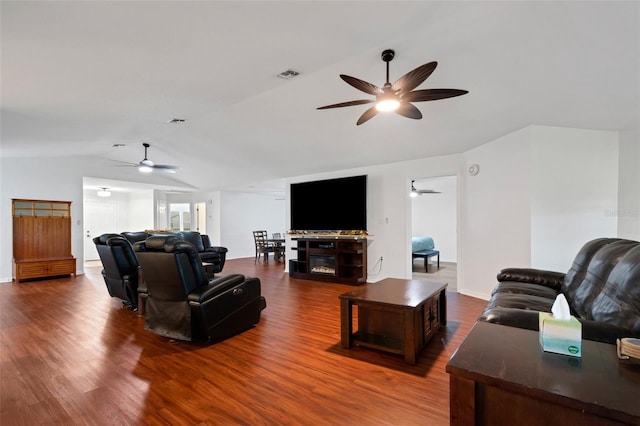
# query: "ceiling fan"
399,95
148,166
415,192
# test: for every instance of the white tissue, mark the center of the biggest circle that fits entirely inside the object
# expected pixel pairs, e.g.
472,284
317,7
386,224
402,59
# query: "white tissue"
560,308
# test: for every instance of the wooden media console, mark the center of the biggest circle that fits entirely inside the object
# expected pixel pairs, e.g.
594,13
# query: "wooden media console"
338,259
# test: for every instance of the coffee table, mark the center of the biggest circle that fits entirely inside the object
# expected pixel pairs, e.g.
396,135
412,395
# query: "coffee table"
394,315
501,375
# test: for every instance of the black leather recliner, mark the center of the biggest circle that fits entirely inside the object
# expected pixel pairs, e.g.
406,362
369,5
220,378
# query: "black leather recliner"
120,268
214,255
135,236
183,304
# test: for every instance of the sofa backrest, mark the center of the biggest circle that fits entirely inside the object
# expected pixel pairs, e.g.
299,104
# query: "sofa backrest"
619,301
578,271
592,278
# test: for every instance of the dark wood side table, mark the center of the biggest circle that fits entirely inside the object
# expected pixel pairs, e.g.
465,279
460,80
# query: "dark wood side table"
394,315
500,375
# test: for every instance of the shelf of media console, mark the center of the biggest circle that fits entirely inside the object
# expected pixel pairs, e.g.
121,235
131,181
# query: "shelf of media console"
331,236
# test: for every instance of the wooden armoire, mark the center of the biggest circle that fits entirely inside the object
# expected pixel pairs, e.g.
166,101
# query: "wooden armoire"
42,239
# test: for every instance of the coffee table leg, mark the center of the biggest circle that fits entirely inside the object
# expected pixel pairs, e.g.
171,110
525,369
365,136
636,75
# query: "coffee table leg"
346,326
409,337
443,307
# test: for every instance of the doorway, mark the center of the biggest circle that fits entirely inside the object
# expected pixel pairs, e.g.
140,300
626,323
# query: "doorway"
201,218
100,217
180,217
434,214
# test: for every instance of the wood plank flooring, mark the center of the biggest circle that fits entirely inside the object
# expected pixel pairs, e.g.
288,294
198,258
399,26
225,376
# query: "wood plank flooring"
71,355
448,273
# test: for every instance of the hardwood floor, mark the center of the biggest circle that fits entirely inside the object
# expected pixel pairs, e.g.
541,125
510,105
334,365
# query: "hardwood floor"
71,355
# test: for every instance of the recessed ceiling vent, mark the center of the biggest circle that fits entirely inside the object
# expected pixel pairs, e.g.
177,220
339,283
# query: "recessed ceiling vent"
288,74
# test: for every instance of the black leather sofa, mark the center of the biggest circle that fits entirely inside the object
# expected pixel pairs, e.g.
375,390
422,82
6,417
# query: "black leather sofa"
182,303
602,289
214,255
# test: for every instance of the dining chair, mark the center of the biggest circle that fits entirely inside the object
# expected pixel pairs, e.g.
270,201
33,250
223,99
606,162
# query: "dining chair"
262,245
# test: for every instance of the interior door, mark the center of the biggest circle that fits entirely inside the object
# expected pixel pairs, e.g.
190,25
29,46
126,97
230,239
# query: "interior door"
100,217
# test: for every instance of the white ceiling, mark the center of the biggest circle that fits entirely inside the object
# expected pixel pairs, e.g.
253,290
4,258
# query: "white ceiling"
78,77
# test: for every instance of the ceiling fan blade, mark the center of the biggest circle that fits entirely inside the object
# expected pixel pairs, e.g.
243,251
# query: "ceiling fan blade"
362,85
346,104
123,163
407,110
414,78
432,94
165,168
368,115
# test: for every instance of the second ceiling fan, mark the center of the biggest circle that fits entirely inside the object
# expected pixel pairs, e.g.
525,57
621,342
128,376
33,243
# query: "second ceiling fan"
399,95
147,166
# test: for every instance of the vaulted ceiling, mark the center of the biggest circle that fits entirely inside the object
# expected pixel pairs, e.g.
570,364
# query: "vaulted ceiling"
79,77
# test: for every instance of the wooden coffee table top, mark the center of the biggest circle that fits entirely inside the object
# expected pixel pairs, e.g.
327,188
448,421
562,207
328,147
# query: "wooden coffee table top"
512,359
395,291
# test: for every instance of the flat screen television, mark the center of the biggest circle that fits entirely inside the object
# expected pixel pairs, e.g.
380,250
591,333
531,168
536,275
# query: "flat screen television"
330,205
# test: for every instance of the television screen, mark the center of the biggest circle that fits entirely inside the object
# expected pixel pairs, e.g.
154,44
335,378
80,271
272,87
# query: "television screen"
330,205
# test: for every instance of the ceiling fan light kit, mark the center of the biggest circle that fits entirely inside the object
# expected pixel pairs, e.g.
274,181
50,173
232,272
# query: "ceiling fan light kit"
147,166
399,95
104,192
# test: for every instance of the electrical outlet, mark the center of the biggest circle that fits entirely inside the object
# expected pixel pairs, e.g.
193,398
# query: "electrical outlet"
380,258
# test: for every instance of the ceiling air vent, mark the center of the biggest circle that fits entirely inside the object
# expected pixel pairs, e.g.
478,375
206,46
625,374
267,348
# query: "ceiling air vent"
288,74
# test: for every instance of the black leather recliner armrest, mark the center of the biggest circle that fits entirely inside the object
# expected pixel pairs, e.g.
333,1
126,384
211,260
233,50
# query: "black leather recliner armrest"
512,317
216,249
215,286
549,279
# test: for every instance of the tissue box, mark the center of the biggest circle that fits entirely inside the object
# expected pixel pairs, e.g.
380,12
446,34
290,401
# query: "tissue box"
560,336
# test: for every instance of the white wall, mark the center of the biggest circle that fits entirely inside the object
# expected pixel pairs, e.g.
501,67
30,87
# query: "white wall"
494,212
574,192
541,193
242,213
435,215
39,179
629,190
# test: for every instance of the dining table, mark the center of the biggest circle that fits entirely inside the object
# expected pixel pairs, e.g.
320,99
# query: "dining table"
279,247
